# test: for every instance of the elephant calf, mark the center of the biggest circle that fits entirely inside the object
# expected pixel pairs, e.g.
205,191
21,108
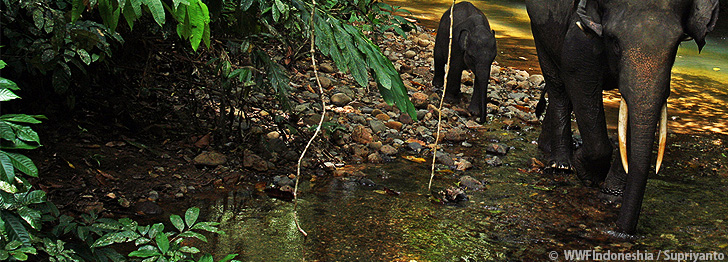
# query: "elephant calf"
473,47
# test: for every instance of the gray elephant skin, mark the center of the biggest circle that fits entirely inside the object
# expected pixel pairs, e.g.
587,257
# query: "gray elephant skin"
588,46
473,47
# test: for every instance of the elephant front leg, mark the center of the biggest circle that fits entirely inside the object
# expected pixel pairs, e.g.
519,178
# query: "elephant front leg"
555,139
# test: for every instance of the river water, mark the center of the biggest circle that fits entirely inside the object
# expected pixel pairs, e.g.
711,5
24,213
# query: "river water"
699,83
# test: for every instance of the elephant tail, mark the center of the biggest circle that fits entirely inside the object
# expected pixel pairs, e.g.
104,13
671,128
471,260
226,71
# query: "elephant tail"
541,106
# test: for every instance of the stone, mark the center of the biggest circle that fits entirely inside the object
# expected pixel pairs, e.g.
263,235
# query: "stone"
388,150
493,161
376,112
456,134
361,134
518,96
273,135
374,158
498,149
494,70
340,99
383,117
423,42
254,161
325,82
405,119
536,80
463,165
377,126
410,54
359,150
444,158
415,146
419,100
394,125
327,68
210,158
471,183
375,145
421,114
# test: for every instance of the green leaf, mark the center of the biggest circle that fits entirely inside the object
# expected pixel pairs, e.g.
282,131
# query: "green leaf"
245,5
156,229
85,57
22,163
191,216
177,222
132,11
7,167
31,216
7,187
193,235
228,257
20,118
206,258
12,245
15,227
19,256
8,84
35,197
7,95
116,237
6,131
162,243
157,10
144,253
189,250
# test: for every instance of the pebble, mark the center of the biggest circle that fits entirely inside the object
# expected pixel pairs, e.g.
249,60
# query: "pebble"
419,100
340,99
444,158
388,150
498,149
210,158
383,117
410,54
374,158
273,135
377,126
463,165
469,182
327,68
375,145
456,134
361,135
415,146
493,161
394,125
326,82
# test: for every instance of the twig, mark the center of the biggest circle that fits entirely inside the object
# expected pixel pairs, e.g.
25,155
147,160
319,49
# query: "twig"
318,128
442,99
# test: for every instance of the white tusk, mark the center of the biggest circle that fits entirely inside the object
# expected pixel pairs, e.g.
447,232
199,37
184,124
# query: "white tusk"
663,138
579,25
622,133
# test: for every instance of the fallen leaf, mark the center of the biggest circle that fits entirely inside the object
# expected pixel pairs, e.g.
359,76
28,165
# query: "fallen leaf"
415,159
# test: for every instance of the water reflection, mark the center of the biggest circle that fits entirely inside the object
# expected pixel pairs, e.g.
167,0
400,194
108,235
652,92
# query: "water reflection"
699,83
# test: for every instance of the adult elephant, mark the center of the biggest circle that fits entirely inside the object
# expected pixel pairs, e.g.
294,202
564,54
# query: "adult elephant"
587,46
473,47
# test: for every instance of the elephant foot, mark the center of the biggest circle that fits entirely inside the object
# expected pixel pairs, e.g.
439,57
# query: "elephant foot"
556,167
622,236
613,189
590,171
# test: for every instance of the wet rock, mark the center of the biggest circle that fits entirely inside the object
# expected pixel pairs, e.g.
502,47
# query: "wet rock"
423,42
374,158
444,158
456,134
273,135
498,149
518,96
394,125
466,144
377,126
361,135
153,195
421,114
148,208
414,146
388,150
512,84
366,110
375,145
359,150
410,54
254,161
521,75
383,117
326,82
469,182
210,158
494,70
463,165
327,68
340,99
419,100
536,80
450,195
377,112
405,119
493,161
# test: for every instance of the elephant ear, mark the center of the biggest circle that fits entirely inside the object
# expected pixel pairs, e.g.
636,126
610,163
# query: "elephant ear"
589,16
464,35
703,15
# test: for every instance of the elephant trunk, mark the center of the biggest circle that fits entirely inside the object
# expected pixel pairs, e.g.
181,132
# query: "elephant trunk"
479,103
645,86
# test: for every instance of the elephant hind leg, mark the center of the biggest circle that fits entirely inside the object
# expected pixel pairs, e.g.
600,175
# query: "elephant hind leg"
555,139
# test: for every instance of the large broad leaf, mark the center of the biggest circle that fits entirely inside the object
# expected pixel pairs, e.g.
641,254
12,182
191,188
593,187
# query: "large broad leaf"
8,84
109,13
21,163
177,222
20,118
157,10
132,11
7,168
15,228
191,216
7,95
116,237
6,131
31,216
162,243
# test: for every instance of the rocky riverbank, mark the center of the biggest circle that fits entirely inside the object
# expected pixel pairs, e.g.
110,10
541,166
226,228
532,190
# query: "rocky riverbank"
361,128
